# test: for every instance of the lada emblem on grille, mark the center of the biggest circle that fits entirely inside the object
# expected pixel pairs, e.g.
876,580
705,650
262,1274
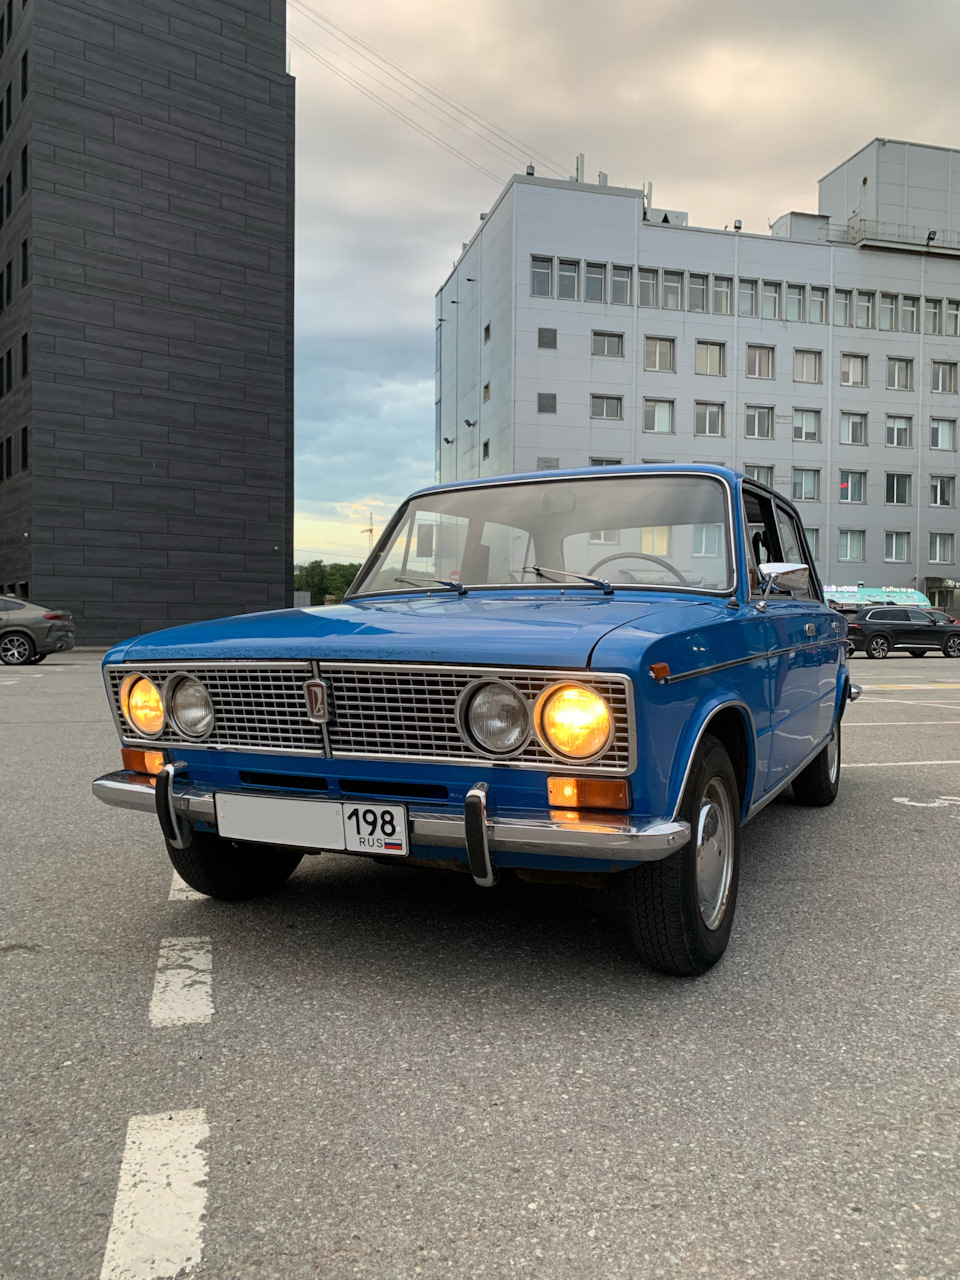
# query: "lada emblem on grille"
315,692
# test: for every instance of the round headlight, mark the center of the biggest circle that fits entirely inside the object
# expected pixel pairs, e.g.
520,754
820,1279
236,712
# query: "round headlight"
498,719
573,721
142,705
191,708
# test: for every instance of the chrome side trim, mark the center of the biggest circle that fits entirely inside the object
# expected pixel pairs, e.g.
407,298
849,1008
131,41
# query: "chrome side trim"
784,782
739,662
605,837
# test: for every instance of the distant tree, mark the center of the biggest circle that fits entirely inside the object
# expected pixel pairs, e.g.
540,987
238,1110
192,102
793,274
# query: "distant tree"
322,580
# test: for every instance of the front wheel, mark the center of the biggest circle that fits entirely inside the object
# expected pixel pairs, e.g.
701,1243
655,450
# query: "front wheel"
951,647
232,870
878,647
680,910
819,783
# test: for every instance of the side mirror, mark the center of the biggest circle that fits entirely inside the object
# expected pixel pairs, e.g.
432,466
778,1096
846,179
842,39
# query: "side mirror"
785,577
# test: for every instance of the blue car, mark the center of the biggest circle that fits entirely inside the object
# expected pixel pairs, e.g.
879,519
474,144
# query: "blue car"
562,673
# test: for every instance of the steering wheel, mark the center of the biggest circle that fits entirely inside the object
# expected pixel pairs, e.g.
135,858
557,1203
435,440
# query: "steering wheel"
640,555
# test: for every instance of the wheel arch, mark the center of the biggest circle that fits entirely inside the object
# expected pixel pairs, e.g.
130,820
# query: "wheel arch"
731,722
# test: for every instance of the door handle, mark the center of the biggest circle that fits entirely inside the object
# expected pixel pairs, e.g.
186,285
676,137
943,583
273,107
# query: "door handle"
836,627
811,629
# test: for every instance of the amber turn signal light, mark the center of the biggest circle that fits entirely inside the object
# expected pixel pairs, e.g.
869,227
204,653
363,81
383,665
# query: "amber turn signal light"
142,761
588,793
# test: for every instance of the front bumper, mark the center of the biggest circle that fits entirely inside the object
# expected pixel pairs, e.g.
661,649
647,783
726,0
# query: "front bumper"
608,837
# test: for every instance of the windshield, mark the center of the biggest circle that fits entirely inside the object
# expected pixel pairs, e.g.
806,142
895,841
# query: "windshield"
631,531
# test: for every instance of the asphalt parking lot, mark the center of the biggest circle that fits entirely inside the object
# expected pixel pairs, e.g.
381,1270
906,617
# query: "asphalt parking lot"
390,1073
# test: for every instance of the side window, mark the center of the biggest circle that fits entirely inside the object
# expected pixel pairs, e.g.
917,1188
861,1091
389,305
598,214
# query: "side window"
917,615
763,542
792,546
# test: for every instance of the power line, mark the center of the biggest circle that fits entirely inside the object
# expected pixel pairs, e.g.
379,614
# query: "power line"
489,143
503,135
400,115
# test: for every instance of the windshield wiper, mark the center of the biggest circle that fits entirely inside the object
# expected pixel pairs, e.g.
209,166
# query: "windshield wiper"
541,572
458,587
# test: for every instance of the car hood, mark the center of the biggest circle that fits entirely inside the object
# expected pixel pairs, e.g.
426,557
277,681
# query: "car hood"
546,629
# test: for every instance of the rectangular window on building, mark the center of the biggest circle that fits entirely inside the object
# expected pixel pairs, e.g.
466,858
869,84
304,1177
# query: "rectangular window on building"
8,282
758,422
842,299
541,277
898,489
621,279
607,344
8,194
899,431
866,302
658,416
723,295
818,305
896,547
806,425
851,544
941,548
646,287
710,358
659,353
25,356
486,333
806,366
548,464
796,302
486,392
889,305
697,292
853,428
673,290
708,419
604,535
762,474
24,169
759,362
910,314
8,368
806,484
953,319
932,315
813,542
606,407
770,302
944,379
24,448
606,462
899,374
24,263
747,298
853,371
853,486
942,491
943,433
706,540
547,339
568,279
546,402
595,282
486,450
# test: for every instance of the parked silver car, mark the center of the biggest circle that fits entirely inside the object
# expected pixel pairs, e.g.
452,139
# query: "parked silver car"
29,631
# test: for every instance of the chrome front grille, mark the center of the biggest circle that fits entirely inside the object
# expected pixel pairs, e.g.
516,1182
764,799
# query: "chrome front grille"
378,711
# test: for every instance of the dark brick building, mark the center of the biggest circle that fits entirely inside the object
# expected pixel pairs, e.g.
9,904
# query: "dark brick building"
146,332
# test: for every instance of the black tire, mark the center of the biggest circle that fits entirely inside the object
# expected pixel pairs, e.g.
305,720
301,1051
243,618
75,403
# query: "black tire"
951,647
662,899
819,783
38,657
16,649
232,870
877,647
918,653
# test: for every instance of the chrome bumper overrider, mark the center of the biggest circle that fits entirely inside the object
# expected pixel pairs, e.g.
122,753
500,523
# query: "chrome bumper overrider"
598,836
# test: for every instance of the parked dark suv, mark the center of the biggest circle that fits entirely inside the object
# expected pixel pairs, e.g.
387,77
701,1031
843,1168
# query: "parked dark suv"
880,628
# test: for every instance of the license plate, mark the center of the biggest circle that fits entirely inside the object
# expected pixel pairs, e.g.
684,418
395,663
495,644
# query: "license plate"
314,824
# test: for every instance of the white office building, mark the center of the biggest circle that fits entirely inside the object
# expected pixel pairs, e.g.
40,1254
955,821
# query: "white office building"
580,326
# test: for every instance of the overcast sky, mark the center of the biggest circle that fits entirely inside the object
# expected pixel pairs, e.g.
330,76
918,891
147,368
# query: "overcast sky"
732,110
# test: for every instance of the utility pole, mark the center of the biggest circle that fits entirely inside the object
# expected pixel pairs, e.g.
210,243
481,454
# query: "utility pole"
369,532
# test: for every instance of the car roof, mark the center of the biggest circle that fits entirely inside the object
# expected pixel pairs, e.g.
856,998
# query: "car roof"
577,473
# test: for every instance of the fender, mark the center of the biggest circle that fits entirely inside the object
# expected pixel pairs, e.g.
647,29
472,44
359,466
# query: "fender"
697,725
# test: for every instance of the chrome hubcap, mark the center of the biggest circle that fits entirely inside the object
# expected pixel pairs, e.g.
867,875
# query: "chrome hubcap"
879,647
833,756
953,646
714,852
14,650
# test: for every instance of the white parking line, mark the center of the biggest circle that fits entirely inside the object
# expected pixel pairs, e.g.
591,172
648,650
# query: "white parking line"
888,724
157,1227
182,989
897,764
180,891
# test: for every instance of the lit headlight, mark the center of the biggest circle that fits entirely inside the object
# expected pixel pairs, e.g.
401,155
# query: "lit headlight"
573,721
498,719
142,705
191,708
